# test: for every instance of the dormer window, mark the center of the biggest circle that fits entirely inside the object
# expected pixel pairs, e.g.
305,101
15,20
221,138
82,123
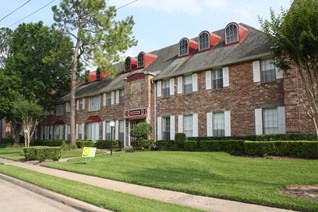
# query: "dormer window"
184,47
141,60
98,76
204,41
127,64
231,33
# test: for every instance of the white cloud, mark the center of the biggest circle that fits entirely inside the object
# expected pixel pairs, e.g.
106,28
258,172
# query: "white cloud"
216,4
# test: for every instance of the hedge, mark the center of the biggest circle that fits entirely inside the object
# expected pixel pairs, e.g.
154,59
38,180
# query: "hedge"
105,144
165,144
230,146
305,149
190,145
54,143
84,143
42,153
142,144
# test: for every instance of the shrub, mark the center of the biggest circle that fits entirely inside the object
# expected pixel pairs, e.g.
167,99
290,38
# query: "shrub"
190,145
84,143
68,147
165,144
54,143
42,153
230,146
180,138
6,141
105,144
142,144
37,142
141,131
306,149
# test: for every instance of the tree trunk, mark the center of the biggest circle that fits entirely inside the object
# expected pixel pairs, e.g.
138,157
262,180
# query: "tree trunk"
16,127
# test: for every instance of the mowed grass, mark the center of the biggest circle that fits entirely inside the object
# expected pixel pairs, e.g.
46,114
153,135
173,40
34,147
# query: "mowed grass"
104,198
252,180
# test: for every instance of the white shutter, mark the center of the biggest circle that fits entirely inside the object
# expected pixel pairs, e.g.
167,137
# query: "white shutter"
159,88
258,121
172,127
227,121
117,97
208,80
124,132
281,120
195,125
65,132
76,131
279,73
104,130
96,131
209,124
180,123
83,131
226,81
159,128
112,100
116,130
104,99
77,104
256,71
180,85
171,86
195,82
83,103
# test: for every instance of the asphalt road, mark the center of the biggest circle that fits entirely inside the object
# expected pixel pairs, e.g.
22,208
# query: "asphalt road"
14,198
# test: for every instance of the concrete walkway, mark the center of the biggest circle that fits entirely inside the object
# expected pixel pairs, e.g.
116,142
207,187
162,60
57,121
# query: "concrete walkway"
180,198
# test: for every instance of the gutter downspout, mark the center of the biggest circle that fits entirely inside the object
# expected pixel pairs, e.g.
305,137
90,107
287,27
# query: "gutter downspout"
155,110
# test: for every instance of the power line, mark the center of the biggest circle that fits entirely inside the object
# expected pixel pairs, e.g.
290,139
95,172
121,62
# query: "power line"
32,13
15,10
126,4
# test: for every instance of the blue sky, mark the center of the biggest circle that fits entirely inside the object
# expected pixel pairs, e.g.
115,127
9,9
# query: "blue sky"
160,23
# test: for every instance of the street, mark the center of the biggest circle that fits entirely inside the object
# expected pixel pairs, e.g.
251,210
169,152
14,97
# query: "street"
17,199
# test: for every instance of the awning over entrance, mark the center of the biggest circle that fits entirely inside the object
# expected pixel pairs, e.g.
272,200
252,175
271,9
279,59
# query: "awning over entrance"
92,119
59,122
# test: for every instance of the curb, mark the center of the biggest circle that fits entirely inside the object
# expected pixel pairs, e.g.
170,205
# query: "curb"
74,203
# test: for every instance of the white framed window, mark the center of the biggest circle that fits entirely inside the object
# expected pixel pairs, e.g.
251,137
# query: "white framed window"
93,131
270,120
108,99
187,84
268,71
59,110
166,128
204,40
94,103
165,88
67,132
183,47
217,79
231,33
127,64
218,124
80,104
67,107
121,96
80,131
188,125
107,130
121,133
58,132
141,60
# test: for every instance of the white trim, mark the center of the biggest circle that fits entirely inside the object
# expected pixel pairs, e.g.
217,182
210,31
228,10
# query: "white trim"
256,71
117,96
180,85
194,82
172,127
159,128
227,121
180,123
104,99
83,131
281,120
159,88
104,131
116,130
171,86
195,132
209,124
208,80
225,71
258,121
112,97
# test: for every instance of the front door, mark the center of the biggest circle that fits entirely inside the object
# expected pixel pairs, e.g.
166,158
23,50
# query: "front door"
129,126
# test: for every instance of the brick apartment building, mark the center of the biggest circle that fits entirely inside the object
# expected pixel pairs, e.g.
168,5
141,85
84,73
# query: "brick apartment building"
221,83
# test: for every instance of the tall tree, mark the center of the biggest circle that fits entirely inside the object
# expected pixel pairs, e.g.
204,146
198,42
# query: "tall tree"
37,68
98,37
294,38
5,39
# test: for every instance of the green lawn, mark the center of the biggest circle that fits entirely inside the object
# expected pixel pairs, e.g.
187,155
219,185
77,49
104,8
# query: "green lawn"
104,198
253,180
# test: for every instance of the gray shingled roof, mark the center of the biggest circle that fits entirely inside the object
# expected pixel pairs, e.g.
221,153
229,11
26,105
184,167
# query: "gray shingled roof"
253,46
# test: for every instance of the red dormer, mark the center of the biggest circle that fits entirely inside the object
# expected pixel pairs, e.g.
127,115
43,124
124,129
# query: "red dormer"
91,76
145,59
130,64
207,40
100,74
234,33
186,47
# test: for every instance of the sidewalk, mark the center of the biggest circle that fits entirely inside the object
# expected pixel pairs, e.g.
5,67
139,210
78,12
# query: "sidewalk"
180,198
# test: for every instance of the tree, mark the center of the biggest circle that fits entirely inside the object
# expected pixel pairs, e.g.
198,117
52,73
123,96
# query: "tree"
5,39
294,38
30,113
37,69
97,37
